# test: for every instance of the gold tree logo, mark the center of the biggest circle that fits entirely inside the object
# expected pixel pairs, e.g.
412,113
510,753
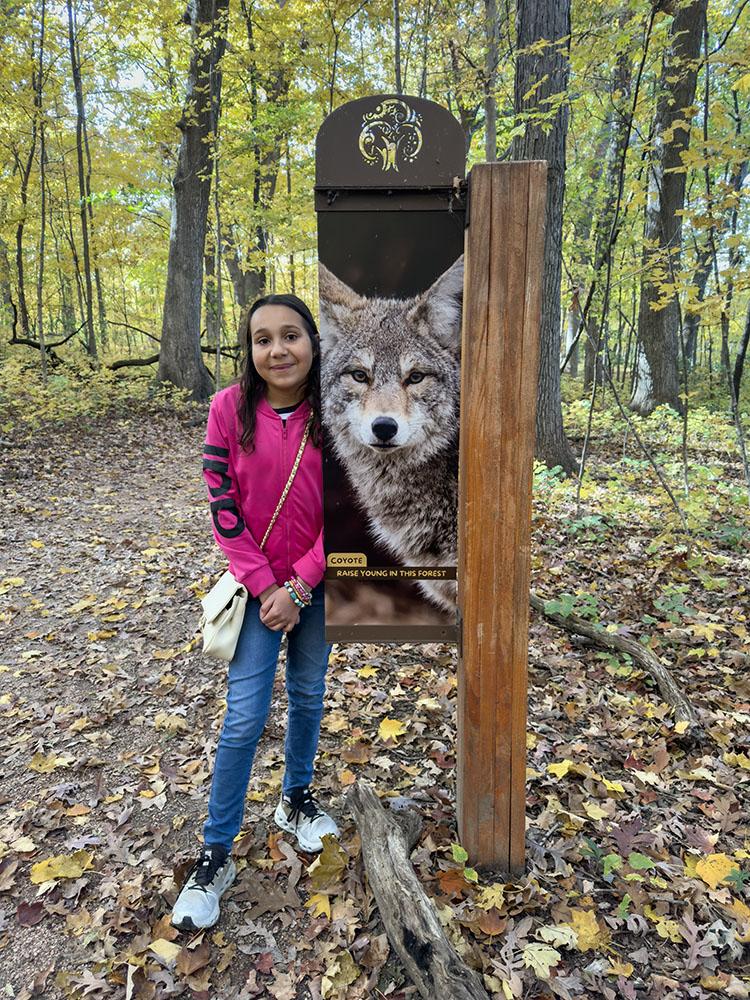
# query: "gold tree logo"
390,133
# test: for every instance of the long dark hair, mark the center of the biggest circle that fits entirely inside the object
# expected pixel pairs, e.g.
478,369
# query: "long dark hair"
252,386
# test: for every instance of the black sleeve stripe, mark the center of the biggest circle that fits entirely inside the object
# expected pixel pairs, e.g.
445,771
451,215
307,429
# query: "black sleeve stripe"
211,465
212,449
230,506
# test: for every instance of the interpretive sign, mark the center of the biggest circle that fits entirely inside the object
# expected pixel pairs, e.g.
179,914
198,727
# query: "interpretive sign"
390,197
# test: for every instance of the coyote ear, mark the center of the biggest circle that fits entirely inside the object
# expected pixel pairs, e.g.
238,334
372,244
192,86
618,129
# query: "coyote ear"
335,299
443,302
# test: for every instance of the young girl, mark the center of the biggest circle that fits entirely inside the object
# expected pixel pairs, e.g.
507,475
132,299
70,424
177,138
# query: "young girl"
255,434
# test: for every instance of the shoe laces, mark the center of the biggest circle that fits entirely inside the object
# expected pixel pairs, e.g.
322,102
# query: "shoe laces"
303,803
204,869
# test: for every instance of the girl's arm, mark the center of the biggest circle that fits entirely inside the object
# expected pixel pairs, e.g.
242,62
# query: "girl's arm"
248,563
311,567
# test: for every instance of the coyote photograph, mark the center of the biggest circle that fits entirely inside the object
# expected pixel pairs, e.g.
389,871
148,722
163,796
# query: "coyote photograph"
390,379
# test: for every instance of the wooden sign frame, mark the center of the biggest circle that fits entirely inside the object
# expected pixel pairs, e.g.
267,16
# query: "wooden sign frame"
499,362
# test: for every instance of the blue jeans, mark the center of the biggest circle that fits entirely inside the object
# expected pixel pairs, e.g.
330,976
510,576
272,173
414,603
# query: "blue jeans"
251,677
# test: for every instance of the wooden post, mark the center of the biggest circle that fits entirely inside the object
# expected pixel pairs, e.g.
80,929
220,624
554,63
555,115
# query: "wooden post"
500,353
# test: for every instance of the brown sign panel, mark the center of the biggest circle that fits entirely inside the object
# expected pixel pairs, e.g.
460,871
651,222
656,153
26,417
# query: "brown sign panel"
390,199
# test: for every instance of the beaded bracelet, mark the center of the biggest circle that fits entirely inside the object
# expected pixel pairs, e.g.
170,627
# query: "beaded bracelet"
301,590
290,591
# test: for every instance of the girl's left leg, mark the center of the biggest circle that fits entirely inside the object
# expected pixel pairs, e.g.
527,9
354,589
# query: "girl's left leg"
306,665
307,660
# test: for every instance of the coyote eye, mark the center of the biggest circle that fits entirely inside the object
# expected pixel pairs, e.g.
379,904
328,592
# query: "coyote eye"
413,377
358,375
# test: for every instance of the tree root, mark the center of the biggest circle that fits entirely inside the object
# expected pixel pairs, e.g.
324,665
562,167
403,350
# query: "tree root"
668,687
410,918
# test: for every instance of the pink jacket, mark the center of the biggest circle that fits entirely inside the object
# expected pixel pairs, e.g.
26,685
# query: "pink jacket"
244,490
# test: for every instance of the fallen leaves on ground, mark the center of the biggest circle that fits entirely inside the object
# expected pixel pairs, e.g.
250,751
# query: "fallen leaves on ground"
638,842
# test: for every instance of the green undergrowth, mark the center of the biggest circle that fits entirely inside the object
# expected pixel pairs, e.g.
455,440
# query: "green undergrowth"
623,533
77,391
709,430
620,485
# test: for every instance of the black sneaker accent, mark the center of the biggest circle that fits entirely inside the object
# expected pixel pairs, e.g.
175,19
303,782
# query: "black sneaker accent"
302,802
205,882
206,865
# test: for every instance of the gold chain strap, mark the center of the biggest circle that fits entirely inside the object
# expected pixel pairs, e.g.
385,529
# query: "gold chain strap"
289,481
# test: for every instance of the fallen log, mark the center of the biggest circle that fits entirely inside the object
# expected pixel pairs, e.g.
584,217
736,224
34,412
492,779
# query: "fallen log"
133,362
409,916
668,687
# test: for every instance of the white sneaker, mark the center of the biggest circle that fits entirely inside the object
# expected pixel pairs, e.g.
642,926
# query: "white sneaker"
206,880
301,815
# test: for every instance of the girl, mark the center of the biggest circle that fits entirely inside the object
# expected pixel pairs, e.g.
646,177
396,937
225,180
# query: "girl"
257,430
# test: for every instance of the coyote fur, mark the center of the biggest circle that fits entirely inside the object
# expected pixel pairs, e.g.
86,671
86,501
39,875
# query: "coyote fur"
390,379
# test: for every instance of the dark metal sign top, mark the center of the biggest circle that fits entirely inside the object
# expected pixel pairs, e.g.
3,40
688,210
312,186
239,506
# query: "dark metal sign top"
389,141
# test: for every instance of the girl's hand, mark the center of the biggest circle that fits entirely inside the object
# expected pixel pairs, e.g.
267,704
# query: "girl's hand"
278,611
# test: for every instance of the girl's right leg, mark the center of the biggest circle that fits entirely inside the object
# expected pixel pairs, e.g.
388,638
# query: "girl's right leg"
251,677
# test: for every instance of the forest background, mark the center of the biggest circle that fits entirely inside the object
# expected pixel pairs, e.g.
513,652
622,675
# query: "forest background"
157,175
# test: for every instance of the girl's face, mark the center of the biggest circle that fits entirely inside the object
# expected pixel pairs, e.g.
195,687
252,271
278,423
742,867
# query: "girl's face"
282,352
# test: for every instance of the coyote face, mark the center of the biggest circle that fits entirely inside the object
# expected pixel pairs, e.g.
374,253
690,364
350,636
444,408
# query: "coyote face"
391,369
390,380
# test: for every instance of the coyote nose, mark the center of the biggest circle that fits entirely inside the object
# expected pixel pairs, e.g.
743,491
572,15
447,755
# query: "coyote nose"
384,428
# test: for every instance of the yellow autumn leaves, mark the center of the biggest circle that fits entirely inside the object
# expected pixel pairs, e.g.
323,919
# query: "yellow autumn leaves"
583,932
712,869
46,764
391,729
614,788
60,867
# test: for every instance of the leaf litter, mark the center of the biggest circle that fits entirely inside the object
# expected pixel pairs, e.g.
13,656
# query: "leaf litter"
638,843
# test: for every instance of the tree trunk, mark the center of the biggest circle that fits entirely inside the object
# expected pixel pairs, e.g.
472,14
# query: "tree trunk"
490,77
76,71
6,292
292,278
68,222
92,234
248,284
692,319
739,361
24,170
618,125
67,314
425,50
657,377
43,206
467,106
180,359
540,74
210,296
397,43
571,337
705,255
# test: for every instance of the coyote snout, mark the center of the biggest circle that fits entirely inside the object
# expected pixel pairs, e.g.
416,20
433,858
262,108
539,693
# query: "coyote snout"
390,387
395,422
385,429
